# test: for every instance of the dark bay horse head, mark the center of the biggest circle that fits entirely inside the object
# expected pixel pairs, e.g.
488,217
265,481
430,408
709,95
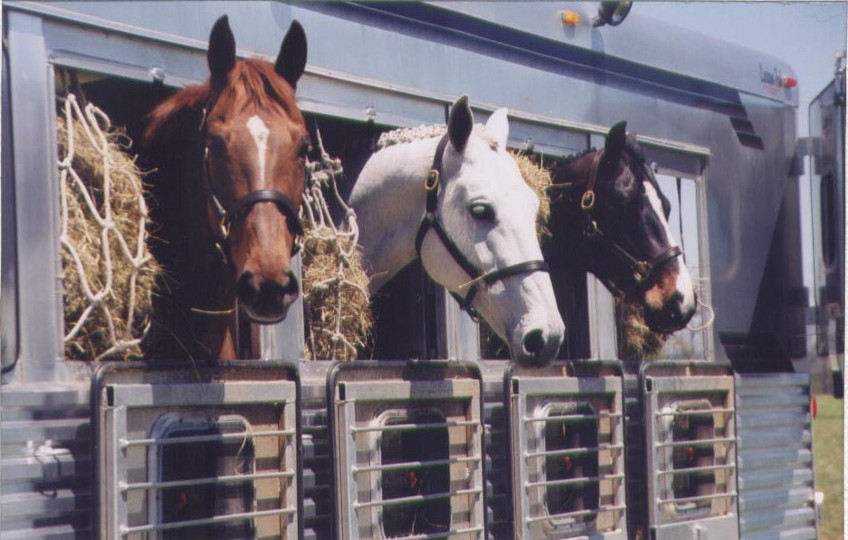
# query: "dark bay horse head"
245,141
607,205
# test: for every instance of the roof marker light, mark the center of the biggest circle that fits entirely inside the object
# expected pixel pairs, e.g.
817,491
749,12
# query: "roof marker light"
570,17
790,82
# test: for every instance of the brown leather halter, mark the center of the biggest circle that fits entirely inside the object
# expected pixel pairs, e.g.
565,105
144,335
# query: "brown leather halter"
641,270
431,220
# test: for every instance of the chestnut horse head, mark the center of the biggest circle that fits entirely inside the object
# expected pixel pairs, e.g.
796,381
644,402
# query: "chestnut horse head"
607,205
237,145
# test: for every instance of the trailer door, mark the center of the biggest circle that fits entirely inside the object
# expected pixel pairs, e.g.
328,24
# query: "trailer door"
827,184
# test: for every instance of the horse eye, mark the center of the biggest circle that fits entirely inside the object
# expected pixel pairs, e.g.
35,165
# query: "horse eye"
482,212
217,146
303,150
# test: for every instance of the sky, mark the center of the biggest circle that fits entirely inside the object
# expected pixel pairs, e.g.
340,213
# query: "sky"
806,34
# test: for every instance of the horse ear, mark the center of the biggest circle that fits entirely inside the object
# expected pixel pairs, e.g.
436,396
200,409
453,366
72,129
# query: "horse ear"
291,61
222,51
616,138
498,127
460,123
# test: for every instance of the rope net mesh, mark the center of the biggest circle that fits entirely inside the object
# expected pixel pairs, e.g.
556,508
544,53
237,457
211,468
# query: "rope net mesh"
336,300
108,273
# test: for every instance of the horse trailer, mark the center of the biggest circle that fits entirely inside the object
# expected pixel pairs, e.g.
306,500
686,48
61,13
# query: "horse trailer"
438,435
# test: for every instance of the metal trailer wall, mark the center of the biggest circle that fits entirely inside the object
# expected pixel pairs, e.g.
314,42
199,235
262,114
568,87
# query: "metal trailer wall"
402,64
775,457
397,64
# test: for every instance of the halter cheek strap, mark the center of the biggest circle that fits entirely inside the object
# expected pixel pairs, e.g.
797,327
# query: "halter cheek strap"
641,270
431,221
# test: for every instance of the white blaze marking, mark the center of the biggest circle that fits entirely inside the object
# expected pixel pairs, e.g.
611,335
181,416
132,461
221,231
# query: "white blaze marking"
684,280
260,132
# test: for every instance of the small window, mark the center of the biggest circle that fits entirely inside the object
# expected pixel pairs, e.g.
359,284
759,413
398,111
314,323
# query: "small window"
828,220
426,450
201,453
571,467
691,479
691,439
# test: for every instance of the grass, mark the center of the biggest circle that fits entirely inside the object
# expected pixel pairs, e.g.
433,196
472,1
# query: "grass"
829,456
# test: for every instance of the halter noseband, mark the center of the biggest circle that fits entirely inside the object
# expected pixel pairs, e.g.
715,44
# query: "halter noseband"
641,270
431,221
245,204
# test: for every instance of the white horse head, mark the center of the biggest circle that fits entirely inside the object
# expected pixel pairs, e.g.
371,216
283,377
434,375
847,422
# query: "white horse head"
486,254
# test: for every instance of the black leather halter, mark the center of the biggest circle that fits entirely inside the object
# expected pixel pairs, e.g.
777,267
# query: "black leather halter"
431,221
243,206
641,270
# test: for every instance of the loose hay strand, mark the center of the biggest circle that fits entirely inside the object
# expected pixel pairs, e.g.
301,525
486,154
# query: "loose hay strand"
336,299
108,280
538,179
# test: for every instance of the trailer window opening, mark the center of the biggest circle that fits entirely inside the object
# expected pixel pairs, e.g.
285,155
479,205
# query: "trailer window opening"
423,479
688,227
8,230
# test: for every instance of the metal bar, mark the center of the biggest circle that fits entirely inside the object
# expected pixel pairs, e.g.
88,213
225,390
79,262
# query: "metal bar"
617,508
125,443
126,531
570,451
233,479
444,534
570,417
417,498
728,495
421,464
696,412
571,481
697,469
408,427
696,442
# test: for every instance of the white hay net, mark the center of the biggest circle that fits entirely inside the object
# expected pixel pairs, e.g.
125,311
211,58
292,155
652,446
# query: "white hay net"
108,271
338,313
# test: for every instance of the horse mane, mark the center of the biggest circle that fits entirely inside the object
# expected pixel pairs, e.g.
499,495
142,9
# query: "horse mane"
253,81
631,146
426,131
408,135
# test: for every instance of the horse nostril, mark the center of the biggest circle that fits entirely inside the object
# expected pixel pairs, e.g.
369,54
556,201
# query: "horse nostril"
289,283
244,287
534,342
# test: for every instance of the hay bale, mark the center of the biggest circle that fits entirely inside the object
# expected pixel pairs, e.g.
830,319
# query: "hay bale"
638,342
539,179
336,301
107,273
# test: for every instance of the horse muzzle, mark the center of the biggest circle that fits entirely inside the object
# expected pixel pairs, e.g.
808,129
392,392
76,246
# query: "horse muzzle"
674,315
537,346
266,301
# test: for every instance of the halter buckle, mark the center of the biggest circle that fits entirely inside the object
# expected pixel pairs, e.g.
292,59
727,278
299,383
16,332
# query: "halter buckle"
431,181
587,202
641,271
225,228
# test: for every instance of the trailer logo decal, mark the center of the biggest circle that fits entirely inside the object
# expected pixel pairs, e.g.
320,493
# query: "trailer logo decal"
772,79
